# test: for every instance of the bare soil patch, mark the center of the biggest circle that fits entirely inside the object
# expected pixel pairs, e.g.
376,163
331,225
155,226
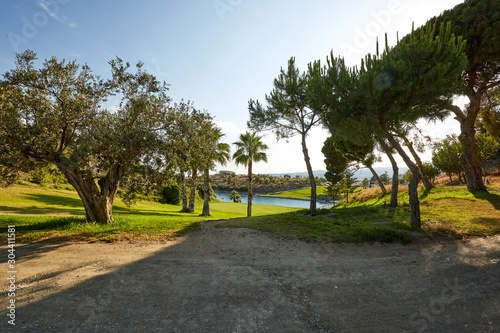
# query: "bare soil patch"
242,280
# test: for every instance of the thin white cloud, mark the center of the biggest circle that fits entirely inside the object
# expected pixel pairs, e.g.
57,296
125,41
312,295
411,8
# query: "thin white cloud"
52,8
230,127
45,5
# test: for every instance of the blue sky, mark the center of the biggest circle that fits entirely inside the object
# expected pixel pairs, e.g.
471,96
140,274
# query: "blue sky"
217,53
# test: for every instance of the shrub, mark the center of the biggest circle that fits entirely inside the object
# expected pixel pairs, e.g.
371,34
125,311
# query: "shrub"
40,176
46,175
172,195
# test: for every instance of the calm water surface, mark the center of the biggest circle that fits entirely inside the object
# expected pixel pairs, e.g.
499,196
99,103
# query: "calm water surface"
274,201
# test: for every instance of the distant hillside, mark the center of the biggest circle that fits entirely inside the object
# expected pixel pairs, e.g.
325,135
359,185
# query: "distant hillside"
226,181
317,173
366,173
360,174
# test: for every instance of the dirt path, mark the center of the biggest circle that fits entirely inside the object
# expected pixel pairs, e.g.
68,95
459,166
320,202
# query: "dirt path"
240,280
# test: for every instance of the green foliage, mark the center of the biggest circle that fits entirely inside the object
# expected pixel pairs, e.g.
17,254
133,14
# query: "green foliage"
408,176
487,146
431,171
250,149
478,21
40,176
45,175
56,115
383,177
365,183
414,79
235,196
343,185
8,176
172,195
446,155
489,116
289,110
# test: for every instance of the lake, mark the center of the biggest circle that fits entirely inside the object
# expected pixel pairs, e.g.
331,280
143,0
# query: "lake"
275,201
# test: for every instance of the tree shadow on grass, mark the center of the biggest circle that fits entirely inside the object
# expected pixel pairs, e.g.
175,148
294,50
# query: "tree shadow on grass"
492,198
490,223
52,224
52,200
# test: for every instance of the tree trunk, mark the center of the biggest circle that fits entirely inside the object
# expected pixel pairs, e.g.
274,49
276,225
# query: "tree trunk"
413,185
395,174
485,176
192,194
97,200
312,179
470,159
206,193
451,179
250,194
184,198
427,183
377,178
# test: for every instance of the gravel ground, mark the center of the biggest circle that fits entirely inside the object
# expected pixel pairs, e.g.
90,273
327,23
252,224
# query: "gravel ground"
242,280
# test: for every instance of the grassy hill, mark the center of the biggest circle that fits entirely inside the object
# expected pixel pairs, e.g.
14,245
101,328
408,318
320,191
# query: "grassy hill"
299,194
43,213
55,215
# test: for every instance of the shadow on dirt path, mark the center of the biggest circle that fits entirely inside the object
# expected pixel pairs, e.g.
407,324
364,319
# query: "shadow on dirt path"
241,280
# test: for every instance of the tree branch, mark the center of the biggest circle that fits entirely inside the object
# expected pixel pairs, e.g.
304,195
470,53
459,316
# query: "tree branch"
460,116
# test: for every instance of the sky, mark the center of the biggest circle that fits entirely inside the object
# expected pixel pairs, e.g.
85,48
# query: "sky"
217,53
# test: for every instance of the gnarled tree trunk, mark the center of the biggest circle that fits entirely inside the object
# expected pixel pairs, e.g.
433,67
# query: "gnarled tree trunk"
97,200
206,193
184,198
192,195
395,174
470,159
310,173
413,185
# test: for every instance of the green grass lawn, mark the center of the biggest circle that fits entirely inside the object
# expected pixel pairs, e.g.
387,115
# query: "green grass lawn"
451,210
57,215
299,194
45,214
359,224
444,210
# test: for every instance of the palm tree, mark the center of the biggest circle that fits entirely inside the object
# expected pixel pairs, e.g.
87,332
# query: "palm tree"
250,149
220,153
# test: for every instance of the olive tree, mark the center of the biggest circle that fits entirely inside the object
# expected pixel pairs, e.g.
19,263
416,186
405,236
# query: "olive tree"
57,114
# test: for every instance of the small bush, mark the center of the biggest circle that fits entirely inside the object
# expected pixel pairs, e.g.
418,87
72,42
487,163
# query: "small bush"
40,176
64,187
172,195
46,175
